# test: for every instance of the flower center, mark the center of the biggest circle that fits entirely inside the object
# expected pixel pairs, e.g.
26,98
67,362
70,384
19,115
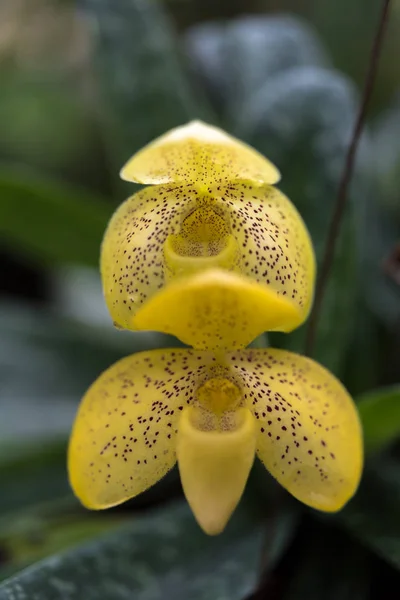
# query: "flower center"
203,241
219,395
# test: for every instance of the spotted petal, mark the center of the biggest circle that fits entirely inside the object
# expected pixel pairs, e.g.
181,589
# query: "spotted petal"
309,434
275,246
132,253
164,234
200,154
124,436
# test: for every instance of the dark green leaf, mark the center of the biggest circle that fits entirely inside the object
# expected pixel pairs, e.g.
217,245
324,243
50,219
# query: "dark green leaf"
164,555
386,146
44,121
143,86
380,236
51,221
205,47
237,58
373,515
31,474
282,514
363,365
302,119
380,231
78,296
40,533
279,529
337,21
45,356
380,417
331,566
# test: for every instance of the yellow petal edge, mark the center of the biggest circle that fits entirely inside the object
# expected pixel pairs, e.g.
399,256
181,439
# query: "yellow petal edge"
201,154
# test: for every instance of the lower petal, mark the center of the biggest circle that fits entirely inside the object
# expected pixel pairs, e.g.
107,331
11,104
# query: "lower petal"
124,436
216,310
309,434
214,466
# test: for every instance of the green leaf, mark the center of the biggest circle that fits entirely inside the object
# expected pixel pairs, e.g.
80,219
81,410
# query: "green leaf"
280,528
379,237
235,59
380,417
365,356
373,515
31,474
349,52
386,142
380,229
142,82
329,565
44,356
163,555
302,119
44,119
33,536
78,296
46,363
51,221
282,515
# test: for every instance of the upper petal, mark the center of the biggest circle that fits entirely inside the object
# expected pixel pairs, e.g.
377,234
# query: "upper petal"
201,154
165,234
123,438
309,433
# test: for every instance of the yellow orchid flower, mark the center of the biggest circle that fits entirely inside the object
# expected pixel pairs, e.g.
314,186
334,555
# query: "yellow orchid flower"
213,415
214,210
215,255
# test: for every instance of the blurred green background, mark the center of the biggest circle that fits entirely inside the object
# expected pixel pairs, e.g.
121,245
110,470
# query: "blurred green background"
83,85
